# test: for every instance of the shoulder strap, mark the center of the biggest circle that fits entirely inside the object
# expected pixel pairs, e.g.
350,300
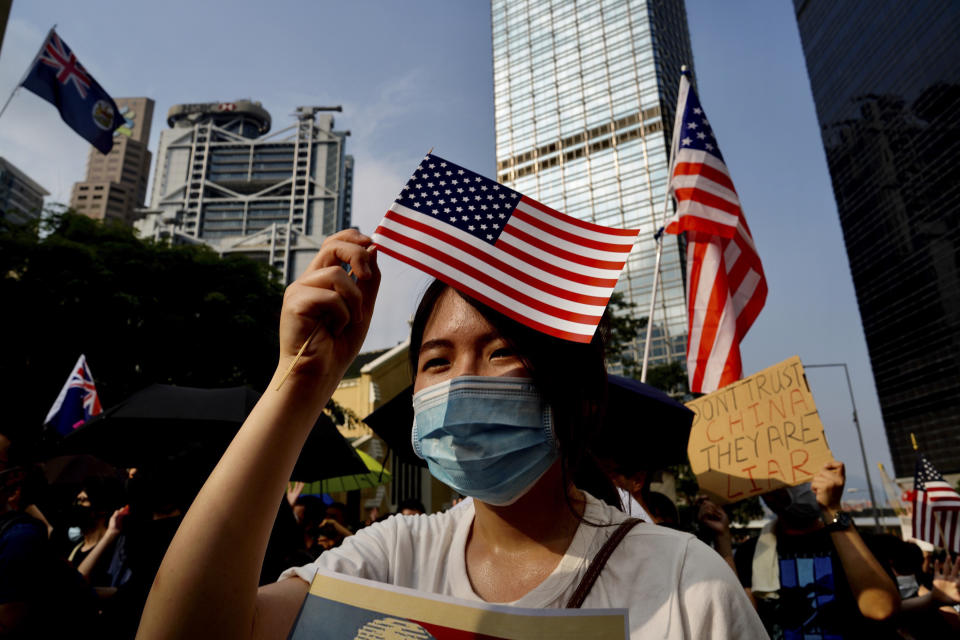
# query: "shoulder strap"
599,562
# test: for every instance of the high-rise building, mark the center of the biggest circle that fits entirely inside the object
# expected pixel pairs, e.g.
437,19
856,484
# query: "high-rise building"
886,84
21,199
116,183
584,97
222,179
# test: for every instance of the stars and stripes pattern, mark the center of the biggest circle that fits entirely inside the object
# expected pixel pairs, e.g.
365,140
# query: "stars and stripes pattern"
542,268
936,507
726,287
68,69
77,402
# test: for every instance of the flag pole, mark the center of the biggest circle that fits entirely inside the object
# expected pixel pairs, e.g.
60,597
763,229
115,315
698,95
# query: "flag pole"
658,236
29,69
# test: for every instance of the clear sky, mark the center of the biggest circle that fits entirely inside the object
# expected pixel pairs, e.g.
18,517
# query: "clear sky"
418,74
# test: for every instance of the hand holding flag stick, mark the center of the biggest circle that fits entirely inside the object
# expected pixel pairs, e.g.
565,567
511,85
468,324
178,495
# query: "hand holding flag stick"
544,269
331,297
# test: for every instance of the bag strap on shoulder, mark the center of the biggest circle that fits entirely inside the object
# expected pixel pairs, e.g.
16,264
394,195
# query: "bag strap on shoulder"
599,562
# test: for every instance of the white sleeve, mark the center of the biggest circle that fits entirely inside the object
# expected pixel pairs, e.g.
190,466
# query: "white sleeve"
363,555
712,602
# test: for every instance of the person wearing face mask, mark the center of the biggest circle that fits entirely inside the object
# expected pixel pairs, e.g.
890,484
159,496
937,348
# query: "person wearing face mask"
810,573
503,414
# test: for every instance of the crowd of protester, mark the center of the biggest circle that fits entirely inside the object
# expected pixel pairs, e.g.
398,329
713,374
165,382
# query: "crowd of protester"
78,559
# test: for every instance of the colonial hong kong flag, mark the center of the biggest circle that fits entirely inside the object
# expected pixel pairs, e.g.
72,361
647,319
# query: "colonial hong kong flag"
540,267
58,77
936,507
77,402
725,281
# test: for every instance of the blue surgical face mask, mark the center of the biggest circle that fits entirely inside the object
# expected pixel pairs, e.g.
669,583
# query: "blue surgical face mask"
490,438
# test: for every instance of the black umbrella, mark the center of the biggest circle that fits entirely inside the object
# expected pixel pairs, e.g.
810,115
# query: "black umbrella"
164,422
326,454
393,421
643,426
75,469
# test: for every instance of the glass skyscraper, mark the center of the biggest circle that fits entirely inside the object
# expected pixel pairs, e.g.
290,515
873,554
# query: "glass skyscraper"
585,93
886,83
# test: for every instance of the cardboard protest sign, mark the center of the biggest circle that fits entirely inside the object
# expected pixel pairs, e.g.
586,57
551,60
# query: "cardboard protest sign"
756,435
340,607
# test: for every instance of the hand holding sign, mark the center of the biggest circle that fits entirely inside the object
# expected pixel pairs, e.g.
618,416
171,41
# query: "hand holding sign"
757,435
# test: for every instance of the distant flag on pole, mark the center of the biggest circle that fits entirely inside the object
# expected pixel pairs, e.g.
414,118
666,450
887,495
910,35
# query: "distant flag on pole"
77,402
726,287
544,269
58,77
894,493
936,507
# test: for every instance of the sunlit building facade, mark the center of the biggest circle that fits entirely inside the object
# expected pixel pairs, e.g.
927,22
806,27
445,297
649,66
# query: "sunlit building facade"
585,94
886,84
223,179
116,183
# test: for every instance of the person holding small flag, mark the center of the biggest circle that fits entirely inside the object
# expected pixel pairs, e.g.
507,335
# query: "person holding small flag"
509,386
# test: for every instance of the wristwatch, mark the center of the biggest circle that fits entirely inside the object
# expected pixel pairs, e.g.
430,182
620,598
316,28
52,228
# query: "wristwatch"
840,522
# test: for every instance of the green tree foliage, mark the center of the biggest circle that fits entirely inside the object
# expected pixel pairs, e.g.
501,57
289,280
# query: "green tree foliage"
141,311
623,328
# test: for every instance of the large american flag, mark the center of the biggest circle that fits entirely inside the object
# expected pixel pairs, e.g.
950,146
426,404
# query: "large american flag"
726,287
936,507
545,269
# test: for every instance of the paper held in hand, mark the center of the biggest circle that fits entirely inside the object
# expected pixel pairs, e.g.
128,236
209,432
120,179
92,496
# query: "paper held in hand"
343,607
756,435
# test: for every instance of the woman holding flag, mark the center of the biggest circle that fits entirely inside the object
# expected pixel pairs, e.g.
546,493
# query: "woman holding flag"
503,413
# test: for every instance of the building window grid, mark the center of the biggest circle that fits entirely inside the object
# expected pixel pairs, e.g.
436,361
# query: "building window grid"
546,182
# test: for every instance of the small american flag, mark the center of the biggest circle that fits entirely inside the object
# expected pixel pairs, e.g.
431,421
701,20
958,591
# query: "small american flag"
936,507
725,281
542,268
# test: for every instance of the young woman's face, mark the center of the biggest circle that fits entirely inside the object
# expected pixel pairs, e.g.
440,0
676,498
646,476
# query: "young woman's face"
458,341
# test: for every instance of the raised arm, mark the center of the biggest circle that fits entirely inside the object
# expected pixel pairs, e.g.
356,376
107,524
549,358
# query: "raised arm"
207,584
876,594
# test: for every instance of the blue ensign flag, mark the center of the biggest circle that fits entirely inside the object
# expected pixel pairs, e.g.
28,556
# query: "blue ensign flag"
59,78
77,402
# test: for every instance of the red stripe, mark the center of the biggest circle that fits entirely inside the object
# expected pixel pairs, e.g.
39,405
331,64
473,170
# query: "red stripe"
522,276
693,223
707,199
711,325
705,170
560,253
569,237
732,367
695,376
504,245
487,279
557,333
589,226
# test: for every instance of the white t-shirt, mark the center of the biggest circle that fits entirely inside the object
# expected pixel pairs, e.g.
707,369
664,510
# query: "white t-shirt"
673,585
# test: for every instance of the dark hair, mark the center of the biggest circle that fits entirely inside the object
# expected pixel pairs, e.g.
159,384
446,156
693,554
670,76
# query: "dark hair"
411,503
572,376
